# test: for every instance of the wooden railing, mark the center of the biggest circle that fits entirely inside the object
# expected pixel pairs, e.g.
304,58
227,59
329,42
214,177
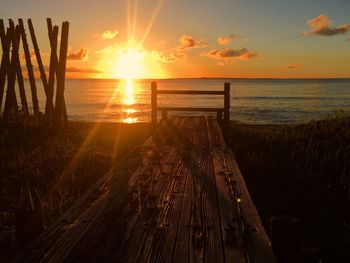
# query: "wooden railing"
219,111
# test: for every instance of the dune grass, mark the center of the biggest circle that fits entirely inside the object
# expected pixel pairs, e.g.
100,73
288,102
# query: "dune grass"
55,167
301,170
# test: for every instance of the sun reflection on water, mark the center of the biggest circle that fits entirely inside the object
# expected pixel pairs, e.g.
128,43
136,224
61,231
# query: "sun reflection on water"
128,101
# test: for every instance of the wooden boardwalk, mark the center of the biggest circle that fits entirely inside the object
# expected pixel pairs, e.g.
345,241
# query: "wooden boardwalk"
184,201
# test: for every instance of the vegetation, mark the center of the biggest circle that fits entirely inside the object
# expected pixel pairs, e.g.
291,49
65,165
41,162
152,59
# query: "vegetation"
301,170
53,168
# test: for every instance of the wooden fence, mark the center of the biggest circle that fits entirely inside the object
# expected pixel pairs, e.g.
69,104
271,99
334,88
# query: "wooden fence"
11,69
164,110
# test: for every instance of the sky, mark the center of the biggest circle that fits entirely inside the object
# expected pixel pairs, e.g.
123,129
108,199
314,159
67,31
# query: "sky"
196,38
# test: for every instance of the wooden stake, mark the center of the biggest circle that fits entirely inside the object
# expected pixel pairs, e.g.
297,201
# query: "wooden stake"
53,34
11,100
60,112
154,105
4,59
17,66
29,69
49,106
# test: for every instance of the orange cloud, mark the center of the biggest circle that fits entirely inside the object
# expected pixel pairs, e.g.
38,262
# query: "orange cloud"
229,53
80,55
226,40
169,57
321,26
108,34
295,66
188,42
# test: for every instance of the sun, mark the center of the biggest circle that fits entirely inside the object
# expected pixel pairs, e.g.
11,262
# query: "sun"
130,63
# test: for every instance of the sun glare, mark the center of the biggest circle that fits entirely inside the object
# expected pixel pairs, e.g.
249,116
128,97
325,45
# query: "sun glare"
130,64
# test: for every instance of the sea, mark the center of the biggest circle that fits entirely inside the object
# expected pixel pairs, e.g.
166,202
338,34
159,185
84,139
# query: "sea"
255,101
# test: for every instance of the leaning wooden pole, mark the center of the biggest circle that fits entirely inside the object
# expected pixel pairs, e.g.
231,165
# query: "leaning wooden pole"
4,59
60,109
17,66
10,101
49,106
53,35
29,69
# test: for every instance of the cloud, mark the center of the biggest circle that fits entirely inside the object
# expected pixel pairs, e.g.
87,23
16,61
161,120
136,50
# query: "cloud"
108,34
295,66
81,55
168,57
31,54
321,26
226,40
82,70
229,53
188,42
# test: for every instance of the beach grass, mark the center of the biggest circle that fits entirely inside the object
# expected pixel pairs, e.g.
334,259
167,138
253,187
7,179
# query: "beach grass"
304,171
56,167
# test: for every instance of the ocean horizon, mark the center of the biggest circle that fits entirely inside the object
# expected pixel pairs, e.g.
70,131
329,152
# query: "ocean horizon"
253,100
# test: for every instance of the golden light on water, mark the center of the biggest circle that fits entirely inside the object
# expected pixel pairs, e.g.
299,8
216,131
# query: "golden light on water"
129,92
128,89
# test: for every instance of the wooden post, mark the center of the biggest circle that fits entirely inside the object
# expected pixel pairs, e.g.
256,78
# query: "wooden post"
227,105
154,105
53,34
17,66
10,101
60,112
49,107
29,69
4,59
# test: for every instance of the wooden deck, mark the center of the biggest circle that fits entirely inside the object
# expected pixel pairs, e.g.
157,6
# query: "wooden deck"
184,201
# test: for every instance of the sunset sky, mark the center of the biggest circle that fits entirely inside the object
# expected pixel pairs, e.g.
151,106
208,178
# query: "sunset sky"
196,38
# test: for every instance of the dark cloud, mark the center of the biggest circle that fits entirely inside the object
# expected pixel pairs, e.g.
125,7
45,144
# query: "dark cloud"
229,53
81,54
321,26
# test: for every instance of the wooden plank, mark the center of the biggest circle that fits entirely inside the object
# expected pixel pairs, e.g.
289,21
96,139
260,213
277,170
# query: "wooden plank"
189,109
192,92
260,246
29,69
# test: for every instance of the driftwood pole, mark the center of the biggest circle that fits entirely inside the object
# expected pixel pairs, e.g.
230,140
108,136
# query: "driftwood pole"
60,109
10,101
17,65
53,35
4,59
29,69
49,106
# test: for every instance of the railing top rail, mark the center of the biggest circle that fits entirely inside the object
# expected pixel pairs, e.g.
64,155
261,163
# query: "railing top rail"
189,109
193,92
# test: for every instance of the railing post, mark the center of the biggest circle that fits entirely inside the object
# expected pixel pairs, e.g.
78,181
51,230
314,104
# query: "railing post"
227,105
154,106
